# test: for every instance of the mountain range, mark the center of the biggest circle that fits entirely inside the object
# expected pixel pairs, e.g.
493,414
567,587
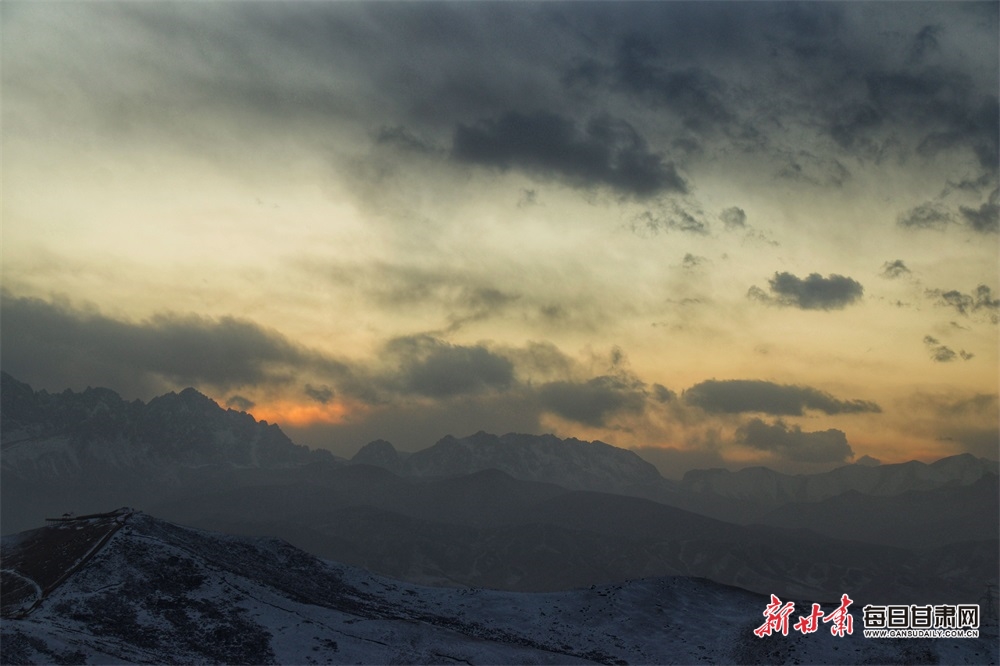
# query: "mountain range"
512,512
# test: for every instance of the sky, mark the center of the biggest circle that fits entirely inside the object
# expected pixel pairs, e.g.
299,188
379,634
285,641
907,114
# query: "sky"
720,234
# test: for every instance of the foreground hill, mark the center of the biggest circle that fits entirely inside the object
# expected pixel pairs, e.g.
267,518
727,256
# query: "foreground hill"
149,591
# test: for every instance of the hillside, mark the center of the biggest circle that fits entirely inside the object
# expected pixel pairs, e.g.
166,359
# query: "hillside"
155,592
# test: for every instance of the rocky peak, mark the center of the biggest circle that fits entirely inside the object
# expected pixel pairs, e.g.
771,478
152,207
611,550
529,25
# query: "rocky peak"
379,453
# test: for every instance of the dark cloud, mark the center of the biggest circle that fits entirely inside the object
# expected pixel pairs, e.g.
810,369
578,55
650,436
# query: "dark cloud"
734,218
744,73
606,152
934,215
874,98
663,394
691,261
463,298
792,443
594,401
670,216
812,293
966,124
926,42
56,345
908,105
812,169
479,303
321,394
986,218
942,353
240,403
400,137
438,369
939,352
734,396
943,106
539,361
894,269
529,197
981,300
929,215
695,95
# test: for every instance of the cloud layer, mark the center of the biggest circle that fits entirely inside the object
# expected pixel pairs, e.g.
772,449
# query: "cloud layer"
412,219
734,396
606,152
792,443
813,292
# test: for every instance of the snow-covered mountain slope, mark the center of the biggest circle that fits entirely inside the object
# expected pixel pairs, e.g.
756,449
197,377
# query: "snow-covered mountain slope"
570,463
155,592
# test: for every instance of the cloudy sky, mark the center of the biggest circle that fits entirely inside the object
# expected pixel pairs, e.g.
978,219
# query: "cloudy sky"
721,234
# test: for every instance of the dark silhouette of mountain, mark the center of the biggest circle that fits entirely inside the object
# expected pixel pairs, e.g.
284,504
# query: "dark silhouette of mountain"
746,496
379,453
767,487
69,433
753,494
149,591
491,530
914,519
570,463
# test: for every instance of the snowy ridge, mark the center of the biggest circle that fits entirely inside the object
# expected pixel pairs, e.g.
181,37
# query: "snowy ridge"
570,463
71,435
160,593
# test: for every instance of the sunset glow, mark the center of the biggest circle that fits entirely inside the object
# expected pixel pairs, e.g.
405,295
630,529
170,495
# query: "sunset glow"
301,414
721,233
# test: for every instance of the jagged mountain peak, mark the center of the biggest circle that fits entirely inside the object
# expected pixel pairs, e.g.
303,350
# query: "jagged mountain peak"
73,434
379,453
571,463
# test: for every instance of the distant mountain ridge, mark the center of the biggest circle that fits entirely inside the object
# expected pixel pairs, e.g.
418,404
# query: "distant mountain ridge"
83,451
68,434
765,485
490,530
744,496
571,463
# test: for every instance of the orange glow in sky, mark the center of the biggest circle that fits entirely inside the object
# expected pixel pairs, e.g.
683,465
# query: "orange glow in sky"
286,412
